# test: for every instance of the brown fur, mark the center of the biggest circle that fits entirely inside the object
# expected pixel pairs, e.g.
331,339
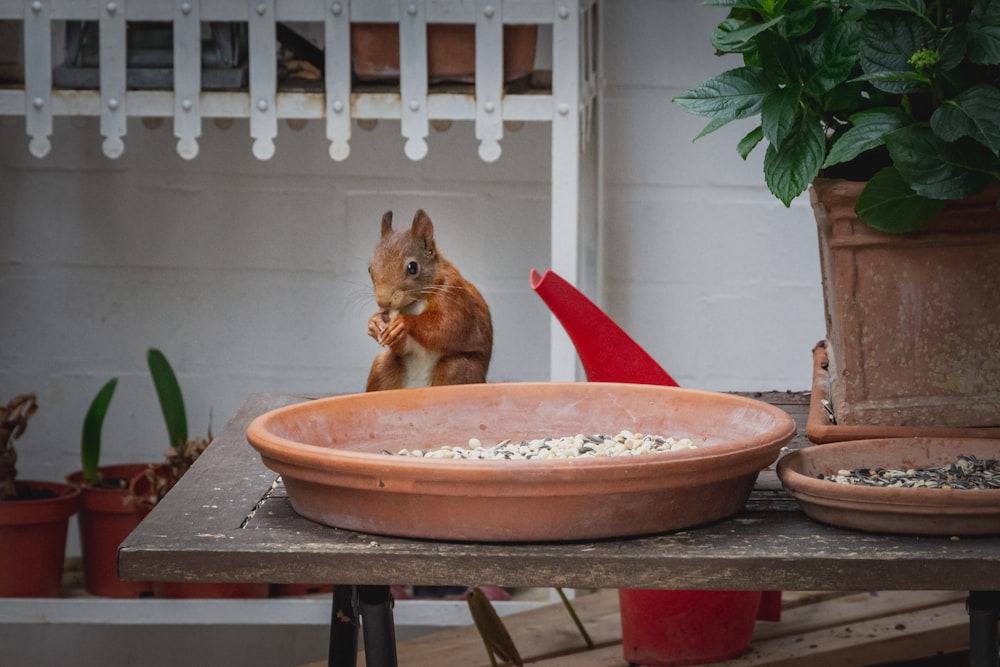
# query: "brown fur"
427,311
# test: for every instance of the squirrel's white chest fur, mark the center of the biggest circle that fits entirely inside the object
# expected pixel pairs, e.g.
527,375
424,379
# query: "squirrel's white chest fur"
418,361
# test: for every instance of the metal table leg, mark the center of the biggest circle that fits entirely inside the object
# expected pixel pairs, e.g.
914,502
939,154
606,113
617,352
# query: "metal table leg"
378,626
344,623
984,642
371,608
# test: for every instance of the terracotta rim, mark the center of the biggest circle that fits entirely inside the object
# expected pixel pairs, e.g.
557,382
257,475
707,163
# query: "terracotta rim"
820,431
873,508
310,461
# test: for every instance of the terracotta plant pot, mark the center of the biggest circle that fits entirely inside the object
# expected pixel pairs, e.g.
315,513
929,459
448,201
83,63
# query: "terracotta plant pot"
106,518
451,51
33,535
820,429
140,488
912,320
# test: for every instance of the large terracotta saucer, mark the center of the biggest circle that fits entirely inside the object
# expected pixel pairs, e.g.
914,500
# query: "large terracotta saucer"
329,454
902,510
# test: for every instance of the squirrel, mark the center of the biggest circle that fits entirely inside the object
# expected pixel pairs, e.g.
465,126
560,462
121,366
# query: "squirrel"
434,324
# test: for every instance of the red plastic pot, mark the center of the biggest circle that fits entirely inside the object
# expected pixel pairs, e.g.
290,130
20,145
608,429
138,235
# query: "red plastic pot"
33,535
686,627
105,520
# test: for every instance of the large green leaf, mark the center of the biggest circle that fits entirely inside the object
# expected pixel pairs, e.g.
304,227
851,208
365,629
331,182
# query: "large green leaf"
736,36
938,169
829,59
984,33
889,40
867,132
778,114
912,6
889,204
737,93
713,125
168,391
750,141
777,57
93,422
790,169
973,113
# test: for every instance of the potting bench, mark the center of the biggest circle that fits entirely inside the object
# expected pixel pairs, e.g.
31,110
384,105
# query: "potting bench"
229,520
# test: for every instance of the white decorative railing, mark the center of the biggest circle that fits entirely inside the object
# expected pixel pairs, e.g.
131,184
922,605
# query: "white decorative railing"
415,104
567,102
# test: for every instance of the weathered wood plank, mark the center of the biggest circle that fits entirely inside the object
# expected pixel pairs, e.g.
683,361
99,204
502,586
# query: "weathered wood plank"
897,637
539,634
196,535
852,608
851,629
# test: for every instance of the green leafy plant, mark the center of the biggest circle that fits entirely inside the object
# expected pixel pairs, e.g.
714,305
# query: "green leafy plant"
904,94
168,392
182,452
93,423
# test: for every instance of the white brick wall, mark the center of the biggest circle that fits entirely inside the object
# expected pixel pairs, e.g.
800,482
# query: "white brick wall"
251,276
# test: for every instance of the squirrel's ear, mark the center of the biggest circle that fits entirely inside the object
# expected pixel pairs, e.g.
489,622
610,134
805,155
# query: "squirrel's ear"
423,229
387,223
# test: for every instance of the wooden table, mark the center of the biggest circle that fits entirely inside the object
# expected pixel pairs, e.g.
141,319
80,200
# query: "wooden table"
229,520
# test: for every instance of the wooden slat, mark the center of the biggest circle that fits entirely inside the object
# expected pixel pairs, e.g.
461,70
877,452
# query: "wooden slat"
817,630
907,636
539,634
853,608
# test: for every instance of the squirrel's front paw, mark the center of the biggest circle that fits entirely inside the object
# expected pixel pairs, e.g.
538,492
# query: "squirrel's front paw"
394,332
377,323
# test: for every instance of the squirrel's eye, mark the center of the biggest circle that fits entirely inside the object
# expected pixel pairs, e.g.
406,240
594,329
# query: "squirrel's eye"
411,268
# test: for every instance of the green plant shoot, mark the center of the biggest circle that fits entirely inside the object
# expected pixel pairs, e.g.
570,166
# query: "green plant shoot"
93,422
168,391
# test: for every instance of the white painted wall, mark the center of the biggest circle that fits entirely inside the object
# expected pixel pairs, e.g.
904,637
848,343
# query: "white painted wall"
251,276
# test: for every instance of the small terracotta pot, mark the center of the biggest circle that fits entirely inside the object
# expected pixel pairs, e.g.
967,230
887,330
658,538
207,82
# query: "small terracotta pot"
140,488
106,518
451,51
33,535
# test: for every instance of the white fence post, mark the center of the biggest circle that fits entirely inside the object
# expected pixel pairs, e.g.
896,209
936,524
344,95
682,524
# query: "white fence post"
338,77
263,47
113,72
187,76
38,76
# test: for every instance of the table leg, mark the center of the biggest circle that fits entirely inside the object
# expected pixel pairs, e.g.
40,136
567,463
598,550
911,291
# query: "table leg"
344,624
378,626
984,642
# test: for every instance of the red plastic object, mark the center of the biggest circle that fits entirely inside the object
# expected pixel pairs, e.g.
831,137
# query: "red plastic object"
686,627
608,354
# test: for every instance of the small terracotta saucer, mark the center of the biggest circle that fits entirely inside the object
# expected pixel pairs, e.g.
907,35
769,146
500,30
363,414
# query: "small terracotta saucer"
900,510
